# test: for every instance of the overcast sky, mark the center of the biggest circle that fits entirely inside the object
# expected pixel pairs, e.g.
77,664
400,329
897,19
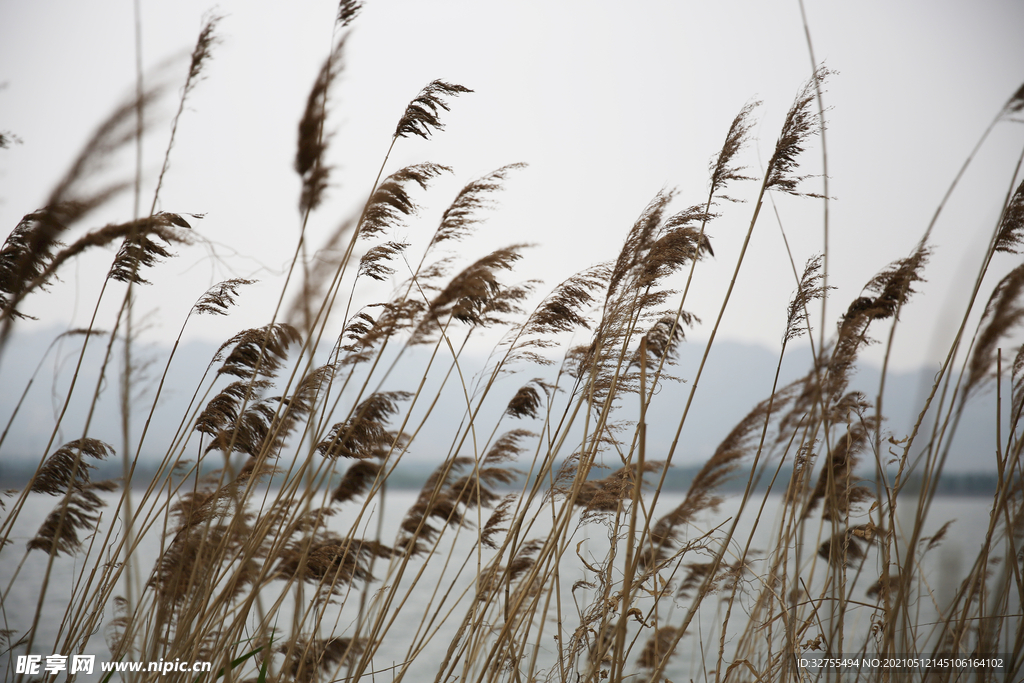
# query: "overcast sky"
607,104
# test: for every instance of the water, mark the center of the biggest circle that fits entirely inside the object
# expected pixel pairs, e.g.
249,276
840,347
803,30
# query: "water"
447,584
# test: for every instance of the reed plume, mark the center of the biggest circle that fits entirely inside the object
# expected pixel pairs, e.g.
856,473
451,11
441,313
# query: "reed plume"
473,296
725,577
681,240
310,659
390,201
1015,104
330,562
722,170
664,337
260,430
1009,235
193,559
67,469
500,515
221,297
803,465
202,52
364,333
527,401
841,548
138,252
475,489
222,410
347,12
837,486
257,351
564,309
312,141
25,256
421,115
366,430
658,245
810,289
608,493
201,55
884,586
436,499
358,479
1003,313
462,215
661,643
639,240
893,287
373,263
1017,387
22,277
801,123
77,512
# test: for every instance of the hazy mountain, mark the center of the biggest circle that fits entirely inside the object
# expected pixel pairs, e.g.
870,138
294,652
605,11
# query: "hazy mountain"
736,377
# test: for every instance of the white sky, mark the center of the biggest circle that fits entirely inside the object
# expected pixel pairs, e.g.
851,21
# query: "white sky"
607,105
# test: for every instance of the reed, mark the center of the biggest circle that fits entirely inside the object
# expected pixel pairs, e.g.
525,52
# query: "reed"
519,558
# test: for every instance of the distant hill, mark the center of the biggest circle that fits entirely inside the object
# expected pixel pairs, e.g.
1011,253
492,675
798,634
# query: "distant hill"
411,476
736,377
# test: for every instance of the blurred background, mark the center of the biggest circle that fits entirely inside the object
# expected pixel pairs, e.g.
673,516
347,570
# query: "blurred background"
607,106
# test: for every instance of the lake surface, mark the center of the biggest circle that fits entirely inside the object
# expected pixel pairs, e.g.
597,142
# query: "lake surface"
943,569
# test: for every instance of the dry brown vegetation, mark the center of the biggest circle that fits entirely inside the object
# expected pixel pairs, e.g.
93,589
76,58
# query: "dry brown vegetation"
244,567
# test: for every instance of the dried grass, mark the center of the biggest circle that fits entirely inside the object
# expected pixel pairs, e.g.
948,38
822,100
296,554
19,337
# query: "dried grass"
515,557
